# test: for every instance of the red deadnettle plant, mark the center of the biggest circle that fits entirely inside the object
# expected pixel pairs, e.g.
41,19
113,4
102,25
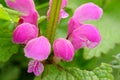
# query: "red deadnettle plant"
41,48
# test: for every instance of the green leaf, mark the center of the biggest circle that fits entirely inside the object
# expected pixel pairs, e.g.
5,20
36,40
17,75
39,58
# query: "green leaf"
9,73
8,14
7,47
109,29
116,66
53,73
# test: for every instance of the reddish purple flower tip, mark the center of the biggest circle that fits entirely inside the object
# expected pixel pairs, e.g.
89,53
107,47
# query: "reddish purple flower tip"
24,32
38,48
36,67
88,11
63,49
85,35
31,18
72,25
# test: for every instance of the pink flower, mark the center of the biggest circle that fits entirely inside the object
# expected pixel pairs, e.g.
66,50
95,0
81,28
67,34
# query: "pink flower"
24,32
72,25
63,49
23,6
38,48
85,35
36,67
31,18
85,12
26,8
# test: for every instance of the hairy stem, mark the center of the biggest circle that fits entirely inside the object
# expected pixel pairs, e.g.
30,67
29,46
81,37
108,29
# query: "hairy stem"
53,19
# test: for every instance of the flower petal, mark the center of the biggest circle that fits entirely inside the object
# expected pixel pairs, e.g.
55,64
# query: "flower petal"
63,49
86,35
72,25
24,32
24,6
36,67
31,18
38,48
63,14
88,11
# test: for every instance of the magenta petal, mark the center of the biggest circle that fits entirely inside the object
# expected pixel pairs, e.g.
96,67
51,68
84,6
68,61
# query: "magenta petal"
86,35
24,32
72,25
63,49
88,11
36,67
38,48
31,18
64,3
63,14
24,6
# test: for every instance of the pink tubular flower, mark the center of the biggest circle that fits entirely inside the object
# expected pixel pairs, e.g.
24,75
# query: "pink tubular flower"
26,8
36,67
38,48
88,11
24,32
63,49
85,35
23,6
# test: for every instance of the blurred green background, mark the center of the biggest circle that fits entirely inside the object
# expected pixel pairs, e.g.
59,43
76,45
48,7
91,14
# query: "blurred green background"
13,63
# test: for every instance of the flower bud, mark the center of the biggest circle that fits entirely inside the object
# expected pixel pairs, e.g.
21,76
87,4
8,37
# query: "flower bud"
24,32
36,67
63,49
38,48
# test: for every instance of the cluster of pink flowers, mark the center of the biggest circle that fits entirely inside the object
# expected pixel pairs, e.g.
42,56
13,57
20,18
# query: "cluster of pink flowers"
38,47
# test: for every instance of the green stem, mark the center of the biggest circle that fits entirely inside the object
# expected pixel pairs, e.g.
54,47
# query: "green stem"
41,19
53,19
